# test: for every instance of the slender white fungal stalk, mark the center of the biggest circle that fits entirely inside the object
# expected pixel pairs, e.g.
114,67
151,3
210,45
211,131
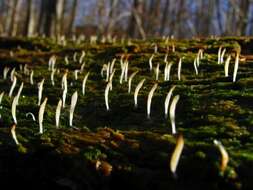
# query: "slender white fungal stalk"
130,81
168,71
165,71
84,82
150,62
126,71
157,72
179,69
112,65
1,97
166,58
72,108
219,55
111,77
236,67
52,76
104,68
81,57
176,154
108,72
31,114
108,86
5,72
167,101
19,91
13,73
76,74
66,59
13,86
64,82
58,113
13,109
172,113
224,155
26,70
222,55
31,77
122,73
226,66
150,95
197,60
200,53
137,89
75,57
64,94
41,115
195,66
82,67
155,48
40,89
13,134
122,61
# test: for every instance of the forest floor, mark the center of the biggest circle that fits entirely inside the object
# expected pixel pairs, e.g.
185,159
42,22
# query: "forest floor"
122,148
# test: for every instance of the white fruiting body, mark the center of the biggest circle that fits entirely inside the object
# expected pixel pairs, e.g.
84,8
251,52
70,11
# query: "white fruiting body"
58,113
84,82
13,134
5,72
195,66
112,65
226,66
1,97
41,115
76,74
64,82
19,91
111,77
31,114
236,67
126,71
176,154
13,86
157,72
66,59
130,80
13,109
104,68
64,94
52,76
137,89
13,74
224,155
172,113
150,95
81,57
150,62
31,77
167,101
82,67
219,55
168,71
222,55
179,69
108,72
108,86
40,90
72,107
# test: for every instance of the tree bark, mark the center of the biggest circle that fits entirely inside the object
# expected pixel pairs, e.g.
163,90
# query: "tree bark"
164,17
72,17
30,19
14,18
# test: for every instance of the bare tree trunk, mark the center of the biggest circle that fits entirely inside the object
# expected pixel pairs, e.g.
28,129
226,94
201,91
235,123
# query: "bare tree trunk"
30,19
72,17
58,17
14,18
219,18
50,18
244,15
135,26
111,16
164,17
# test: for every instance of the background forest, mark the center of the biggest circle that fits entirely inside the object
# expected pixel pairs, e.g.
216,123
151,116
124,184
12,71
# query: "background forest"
128,18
